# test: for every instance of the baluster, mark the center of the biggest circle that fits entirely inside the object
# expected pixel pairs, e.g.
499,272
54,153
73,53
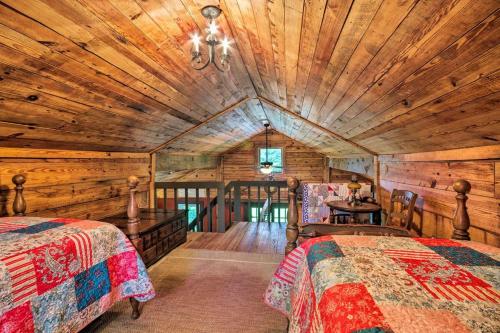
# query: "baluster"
19,204
198,209
230,208
175,198
279,204
209,211
249,205
164,198
258,203
292,229
186,204
461,220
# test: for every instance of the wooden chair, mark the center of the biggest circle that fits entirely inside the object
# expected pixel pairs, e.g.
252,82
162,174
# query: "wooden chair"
401,209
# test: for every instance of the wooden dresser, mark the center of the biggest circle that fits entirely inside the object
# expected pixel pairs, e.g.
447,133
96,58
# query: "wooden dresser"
160,231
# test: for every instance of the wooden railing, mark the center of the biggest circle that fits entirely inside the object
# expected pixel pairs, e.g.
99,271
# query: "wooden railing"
233,201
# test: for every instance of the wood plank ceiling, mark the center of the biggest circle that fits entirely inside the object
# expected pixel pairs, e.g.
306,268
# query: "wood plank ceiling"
389,76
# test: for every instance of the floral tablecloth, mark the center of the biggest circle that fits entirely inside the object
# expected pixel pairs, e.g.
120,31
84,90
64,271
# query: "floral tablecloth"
57,275
388,284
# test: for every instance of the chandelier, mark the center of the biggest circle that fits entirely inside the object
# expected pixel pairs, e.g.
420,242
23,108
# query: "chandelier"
198,59
266,167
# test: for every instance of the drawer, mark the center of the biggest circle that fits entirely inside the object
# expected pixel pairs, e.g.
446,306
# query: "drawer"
154,238
165,245
179,235
165,231
149,255
146,241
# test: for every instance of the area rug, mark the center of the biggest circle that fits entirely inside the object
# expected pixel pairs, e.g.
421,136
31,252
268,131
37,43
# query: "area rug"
203,291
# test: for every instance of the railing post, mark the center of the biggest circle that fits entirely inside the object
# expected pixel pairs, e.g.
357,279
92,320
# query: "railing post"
237,203
461,220
221,223
292,229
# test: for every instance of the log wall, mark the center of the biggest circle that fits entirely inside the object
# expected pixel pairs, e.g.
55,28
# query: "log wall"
76,184
431,176
299,160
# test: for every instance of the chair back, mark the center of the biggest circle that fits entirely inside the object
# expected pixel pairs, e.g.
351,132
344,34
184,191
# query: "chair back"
401,215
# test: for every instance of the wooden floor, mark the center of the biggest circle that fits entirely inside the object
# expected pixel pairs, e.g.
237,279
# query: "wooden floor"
255,237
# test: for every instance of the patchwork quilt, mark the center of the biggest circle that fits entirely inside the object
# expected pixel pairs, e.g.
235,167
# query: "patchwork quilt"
315,196
57,275
388,284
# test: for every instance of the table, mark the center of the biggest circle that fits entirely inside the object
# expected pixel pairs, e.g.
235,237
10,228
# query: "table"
363,207
388,284
160,231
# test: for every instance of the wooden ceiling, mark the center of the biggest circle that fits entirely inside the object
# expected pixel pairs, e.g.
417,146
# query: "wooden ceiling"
382,76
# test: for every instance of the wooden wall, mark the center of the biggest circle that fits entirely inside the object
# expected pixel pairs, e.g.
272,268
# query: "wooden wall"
78,184
299,160
431,176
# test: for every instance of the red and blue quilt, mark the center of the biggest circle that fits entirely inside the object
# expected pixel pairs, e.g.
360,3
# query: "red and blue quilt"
372,284
57,275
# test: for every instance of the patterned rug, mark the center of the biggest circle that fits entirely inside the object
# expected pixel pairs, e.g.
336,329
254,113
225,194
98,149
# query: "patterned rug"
202,291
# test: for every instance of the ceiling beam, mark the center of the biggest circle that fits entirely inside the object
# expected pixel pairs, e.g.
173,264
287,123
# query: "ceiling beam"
194,128
319,127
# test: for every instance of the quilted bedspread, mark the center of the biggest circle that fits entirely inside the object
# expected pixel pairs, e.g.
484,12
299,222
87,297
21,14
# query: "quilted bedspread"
57,275
388,284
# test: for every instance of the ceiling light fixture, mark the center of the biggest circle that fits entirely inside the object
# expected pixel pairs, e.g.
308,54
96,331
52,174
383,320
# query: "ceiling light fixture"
198,60
266,167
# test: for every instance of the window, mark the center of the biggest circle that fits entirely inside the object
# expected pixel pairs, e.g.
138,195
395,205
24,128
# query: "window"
191,211
274,155
278,213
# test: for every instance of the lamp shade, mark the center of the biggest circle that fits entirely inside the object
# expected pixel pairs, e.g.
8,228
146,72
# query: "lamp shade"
266,168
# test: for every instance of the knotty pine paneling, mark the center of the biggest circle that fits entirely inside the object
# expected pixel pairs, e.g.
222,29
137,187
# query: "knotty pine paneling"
432,180
299,160
83,184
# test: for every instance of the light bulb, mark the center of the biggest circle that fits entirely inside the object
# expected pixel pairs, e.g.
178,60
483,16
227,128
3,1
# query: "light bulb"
225,45
196,39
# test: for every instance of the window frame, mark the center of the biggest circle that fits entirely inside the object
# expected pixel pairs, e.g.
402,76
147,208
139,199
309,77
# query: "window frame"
282,157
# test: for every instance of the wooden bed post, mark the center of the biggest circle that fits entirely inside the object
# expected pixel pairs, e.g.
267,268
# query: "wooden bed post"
292,229
133,214
461,220
19,205
133,231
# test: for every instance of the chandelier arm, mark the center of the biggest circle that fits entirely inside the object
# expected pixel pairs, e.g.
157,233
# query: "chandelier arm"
204,66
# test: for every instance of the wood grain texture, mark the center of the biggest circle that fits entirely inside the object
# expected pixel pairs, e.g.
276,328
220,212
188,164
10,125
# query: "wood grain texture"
383,76
433,181
299,160
86,185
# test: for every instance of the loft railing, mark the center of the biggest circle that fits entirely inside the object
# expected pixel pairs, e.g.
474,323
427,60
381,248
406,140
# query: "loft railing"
223,204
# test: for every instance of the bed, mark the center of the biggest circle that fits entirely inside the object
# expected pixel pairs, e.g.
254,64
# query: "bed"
58,275
377,283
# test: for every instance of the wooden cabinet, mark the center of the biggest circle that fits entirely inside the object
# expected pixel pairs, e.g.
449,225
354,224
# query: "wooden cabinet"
160,231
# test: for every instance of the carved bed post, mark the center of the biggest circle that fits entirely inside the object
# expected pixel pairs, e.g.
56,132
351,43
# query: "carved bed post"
133,214
461,221
19,204
292,229
133,231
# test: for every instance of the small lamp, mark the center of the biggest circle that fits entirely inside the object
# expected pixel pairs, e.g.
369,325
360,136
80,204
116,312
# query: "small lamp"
354,186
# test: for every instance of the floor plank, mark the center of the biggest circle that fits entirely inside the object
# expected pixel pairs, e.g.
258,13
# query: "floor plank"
254,237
